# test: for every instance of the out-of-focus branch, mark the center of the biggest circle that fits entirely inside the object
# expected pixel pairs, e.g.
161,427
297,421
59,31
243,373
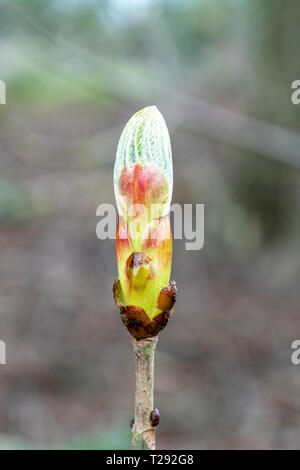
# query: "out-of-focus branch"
213,121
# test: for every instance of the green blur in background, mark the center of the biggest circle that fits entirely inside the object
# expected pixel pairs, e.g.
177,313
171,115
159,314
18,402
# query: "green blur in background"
220,71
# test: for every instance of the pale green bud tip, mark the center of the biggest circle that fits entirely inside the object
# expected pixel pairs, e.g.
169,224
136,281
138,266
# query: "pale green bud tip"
145,140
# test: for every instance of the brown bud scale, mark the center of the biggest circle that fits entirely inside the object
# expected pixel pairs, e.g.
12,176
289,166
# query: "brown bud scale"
136,320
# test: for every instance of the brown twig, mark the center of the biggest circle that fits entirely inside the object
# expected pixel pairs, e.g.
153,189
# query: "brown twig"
143,433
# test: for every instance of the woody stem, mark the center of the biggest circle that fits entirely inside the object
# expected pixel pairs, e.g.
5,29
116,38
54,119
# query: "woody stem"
143,433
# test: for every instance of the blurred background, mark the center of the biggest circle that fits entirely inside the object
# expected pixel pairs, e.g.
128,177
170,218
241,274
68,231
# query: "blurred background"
220,71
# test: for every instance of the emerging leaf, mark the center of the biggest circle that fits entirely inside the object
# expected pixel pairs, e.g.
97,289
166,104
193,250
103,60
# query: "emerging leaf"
143,180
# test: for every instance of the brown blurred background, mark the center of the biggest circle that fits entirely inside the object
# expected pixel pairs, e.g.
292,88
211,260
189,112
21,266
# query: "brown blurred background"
220,71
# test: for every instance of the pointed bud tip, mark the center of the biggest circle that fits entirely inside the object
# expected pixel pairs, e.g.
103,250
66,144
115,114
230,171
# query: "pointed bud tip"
153,109
145,141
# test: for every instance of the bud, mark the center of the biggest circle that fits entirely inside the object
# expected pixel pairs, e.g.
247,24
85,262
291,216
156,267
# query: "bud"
143,183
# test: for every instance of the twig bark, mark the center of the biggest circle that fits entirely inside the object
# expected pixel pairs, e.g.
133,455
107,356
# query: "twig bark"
143,433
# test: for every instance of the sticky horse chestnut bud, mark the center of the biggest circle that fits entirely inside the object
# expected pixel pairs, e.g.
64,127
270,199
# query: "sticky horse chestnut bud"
143,182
